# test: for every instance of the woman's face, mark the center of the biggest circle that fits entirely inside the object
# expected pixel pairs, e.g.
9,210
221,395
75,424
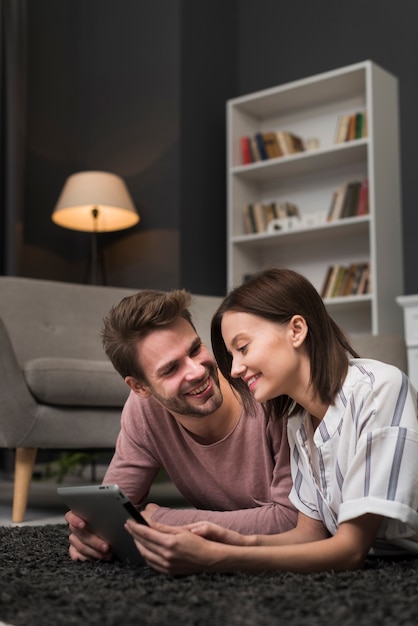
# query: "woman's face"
268,356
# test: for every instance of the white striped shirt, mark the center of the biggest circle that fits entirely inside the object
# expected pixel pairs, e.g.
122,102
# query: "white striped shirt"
363,457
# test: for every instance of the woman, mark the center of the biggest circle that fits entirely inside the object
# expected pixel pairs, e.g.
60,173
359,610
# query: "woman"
353,435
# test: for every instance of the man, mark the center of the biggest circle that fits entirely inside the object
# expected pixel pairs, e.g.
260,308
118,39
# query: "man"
233,468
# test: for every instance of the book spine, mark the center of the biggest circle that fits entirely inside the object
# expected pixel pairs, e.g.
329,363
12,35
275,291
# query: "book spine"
342,128
259,219
351,201
272,145
261,147
326,282
246,156
281,138
254,150
249,224
363,204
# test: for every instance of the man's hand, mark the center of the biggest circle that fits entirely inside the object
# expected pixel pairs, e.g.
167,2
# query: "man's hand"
84,545
150,510
214,532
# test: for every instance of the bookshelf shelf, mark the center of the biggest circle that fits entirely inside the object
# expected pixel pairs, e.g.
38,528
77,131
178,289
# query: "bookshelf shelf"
312,109
304,162
347,227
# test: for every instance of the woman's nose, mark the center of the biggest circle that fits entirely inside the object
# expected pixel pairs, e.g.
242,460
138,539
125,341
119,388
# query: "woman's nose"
237,369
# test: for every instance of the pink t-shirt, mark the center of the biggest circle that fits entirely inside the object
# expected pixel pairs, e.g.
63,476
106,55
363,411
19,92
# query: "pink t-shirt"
241,482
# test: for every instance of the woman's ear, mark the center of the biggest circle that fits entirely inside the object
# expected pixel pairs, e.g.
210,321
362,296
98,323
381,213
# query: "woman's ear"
299,330
137,387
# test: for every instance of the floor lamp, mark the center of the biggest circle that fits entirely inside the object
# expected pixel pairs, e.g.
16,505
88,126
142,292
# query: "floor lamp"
95,202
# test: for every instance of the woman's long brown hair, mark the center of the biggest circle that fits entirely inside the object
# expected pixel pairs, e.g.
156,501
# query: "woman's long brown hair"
277,295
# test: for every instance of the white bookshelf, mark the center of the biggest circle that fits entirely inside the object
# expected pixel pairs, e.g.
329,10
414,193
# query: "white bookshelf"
311,108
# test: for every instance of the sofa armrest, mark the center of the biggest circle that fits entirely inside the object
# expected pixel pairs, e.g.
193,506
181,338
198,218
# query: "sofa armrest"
18,407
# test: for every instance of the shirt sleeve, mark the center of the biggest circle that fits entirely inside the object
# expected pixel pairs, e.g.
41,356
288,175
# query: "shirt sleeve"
132,467
382,475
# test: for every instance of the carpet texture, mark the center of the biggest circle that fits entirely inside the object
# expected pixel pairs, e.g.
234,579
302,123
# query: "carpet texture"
41,586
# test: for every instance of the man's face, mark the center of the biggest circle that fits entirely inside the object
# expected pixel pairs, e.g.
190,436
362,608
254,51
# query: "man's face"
180,372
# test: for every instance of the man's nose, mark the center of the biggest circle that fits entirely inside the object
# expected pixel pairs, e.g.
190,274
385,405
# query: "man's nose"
195,368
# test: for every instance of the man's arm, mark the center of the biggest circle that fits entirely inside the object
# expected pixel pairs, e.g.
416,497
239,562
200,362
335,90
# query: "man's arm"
265,519
84,545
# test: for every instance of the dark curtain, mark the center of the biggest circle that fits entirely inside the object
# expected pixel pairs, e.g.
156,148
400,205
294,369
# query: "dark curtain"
13,40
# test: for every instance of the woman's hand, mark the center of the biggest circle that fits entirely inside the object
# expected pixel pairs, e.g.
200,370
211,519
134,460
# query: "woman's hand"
182,550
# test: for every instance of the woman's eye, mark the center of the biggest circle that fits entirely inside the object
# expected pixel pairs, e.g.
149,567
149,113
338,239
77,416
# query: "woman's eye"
242,348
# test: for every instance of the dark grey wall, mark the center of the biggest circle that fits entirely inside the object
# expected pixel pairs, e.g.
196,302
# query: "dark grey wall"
208,80
137,88
284,41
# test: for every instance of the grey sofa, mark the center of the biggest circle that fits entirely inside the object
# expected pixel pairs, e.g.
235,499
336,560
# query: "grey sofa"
57,388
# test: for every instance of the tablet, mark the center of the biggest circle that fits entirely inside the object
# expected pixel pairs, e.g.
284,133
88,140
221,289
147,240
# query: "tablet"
105,508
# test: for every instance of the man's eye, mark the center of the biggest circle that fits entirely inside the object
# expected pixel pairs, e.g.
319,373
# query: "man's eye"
196,349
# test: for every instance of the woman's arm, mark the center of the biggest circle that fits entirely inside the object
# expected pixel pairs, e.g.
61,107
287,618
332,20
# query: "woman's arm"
305,549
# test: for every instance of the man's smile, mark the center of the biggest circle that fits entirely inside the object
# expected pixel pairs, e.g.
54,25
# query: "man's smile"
201,389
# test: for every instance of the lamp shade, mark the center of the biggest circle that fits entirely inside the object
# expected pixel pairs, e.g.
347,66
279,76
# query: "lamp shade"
95,201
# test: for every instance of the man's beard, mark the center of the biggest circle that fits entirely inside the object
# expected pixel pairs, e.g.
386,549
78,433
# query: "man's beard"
184,407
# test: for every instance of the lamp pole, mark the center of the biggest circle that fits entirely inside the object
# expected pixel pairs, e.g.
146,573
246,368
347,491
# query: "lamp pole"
94,278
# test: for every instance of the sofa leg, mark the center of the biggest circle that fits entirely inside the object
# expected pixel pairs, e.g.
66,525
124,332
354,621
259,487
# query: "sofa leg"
24,463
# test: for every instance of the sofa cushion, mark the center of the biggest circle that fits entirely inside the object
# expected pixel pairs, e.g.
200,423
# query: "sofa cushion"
75,382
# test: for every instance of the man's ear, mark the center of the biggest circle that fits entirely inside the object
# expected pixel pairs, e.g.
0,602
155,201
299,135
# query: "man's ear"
137,387
299,329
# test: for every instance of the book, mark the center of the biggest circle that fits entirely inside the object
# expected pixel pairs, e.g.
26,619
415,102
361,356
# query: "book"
291,209
281,210
271,145
339,203
246,156
363,283
350,277
261,147
351,127
363,203
289,142
331,207
339,279
259,218
254,150
249,223
342,128
326,282
270,213
357,273
331,278
351,200
296,142
351,131
359,125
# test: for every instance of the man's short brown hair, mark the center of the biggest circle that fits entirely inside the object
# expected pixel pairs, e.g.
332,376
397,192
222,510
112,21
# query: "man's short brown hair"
134,318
